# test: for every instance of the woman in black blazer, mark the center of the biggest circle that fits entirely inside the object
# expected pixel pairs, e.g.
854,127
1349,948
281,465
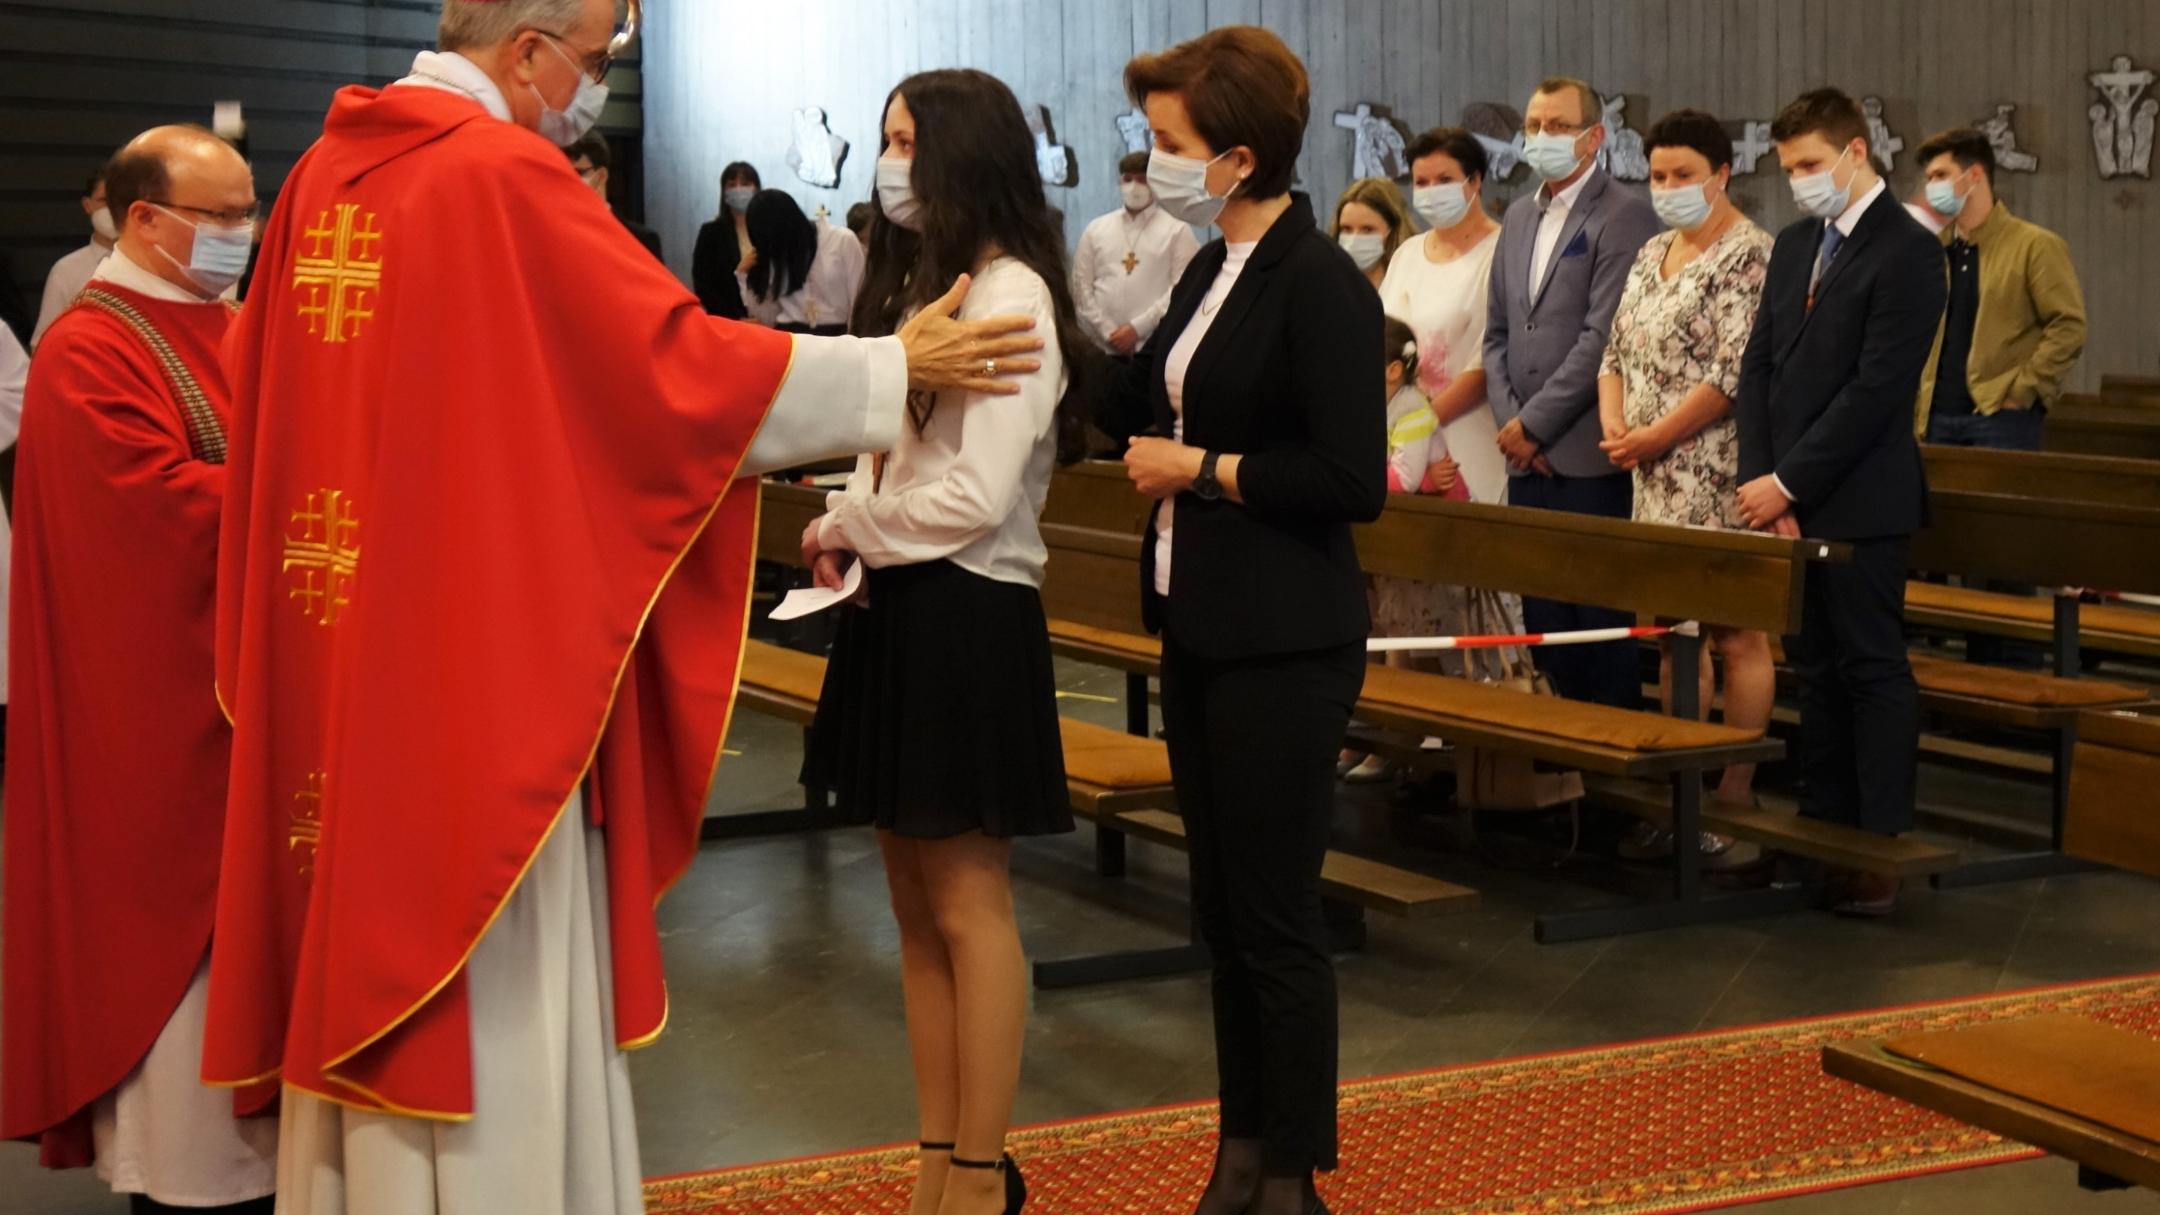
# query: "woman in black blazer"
720,244
1264,393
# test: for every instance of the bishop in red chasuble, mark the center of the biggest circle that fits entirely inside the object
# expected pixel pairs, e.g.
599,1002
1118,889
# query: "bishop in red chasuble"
484,575
117,753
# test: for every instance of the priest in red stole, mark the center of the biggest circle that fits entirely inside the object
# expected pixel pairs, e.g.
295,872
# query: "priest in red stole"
117,753
484,576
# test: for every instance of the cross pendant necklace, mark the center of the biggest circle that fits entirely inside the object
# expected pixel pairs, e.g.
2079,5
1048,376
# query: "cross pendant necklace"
1132,261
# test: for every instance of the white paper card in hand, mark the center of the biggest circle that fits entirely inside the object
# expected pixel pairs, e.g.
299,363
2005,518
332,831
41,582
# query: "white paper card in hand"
811,599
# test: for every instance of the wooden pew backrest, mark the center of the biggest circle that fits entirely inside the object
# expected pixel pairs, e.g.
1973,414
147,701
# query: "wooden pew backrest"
2045,542
2107,480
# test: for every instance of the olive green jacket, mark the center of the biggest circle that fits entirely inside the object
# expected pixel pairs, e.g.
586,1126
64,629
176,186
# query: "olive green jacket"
2031,325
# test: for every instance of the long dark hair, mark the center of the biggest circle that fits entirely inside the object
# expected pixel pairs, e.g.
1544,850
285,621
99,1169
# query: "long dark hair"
974,173
786,242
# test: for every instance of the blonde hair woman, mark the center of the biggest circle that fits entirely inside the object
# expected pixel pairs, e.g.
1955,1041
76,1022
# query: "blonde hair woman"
1371,223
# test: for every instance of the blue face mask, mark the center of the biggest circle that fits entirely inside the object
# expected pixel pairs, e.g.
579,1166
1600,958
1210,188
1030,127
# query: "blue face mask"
1551,157
1819,195
1683,207
219,256
1943,196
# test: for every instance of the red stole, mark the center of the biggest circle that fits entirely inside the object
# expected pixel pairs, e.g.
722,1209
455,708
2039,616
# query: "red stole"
116,752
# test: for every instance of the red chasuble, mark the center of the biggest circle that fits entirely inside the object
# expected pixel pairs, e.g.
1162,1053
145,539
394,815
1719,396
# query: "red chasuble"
116,752
478,545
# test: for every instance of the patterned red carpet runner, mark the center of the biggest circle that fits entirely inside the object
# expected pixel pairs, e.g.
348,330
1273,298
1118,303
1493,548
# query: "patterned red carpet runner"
1656,1128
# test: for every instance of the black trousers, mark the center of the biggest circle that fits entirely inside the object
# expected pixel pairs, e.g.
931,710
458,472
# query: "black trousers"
1859,707
1252,752
1608,673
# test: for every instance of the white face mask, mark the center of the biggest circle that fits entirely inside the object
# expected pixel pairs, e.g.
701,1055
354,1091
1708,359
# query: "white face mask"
1136,195
1819,195
1180,185
738,197
1944,197
101,222
219,256
1364,248
565,127
1442,205
1551,157
896,192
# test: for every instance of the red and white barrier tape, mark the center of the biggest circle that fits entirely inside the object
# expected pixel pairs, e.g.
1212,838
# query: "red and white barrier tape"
1393,645
2126,597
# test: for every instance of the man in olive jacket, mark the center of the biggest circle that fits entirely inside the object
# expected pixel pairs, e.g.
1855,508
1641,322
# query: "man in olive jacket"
2015,323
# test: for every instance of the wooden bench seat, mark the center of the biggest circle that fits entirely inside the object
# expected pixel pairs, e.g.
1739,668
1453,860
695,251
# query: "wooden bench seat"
1902,857
1120,783
2112,627
2077,1088
2106,1156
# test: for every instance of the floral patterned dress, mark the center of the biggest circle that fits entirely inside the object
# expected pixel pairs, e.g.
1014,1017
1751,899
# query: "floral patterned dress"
1671,334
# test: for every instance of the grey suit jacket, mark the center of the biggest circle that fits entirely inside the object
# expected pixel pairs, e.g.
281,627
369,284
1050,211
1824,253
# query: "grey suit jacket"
1544,341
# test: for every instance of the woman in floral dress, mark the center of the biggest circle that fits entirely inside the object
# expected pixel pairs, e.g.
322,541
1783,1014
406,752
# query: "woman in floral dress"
1665,391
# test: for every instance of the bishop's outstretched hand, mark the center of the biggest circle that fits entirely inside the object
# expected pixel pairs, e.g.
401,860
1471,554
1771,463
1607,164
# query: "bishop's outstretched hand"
971,356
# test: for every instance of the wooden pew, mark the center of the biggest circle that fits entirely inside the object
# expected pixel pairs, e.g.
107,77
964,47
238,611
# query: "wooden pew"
2117,766
1119,782
2085,538
2102,426
2142,389
1741,580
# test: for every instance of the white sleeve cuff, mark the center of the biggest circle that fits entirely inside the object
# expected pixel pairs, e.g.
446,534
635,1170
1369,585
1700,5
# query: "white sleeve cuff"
842,396
1774,480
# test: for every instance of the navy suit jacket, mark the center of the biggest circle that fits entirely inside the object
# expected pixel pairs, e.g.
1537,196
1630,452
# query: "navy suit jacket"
1826,395
1544,341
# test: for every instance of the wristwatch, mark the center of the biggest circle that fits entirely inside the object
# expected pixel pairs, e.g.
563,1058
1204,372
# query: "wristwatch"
1205,486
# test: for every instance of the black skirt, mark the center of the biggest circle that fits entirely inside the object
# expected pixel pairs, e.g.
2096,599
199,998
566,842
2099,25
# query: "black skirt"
939,711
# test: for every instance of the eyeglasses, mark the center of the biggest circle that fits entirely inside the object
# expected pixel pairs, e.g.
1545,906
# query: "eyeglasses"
231,219
1534,127
598,64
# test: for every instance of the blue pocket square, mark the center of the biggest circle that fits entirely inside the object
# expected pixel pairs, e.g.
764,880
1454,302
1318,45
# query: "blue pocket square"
1578,247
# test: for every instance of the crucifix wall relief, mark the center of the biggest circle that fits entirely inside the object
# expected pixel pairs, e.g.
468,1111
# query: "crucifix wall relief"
1623,154
1379,145
1054,162
2122,124
1886,145
814,152
1132,127
2003,137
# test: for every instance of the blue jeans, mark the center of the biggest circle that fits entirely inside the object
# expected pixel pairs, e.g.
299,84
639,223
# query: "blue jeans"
2003,430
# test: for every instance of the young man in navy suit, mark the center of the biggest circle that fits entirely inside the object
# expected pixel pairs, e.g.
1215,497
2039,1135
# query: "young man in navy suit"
1825,411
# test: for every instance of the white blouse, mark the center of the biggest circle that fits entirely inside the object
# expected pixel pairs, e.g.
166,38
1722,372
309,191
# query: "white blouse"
970,487
827,298
1175,365
1444,305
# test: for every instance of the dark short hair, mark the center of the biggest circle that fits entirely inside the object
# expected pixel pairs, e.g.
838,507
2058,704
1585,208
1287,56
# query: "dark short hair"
1692,129
742,168
1593,106
133,176
96,178
1242,87
1825,112
1456,144
1965,146
1132,162
859,216
592,146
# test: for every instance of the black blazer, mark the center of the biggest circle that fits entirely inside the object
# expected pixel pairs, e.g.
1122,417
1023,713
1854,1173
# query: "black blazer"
712,269
1291,377
1826,396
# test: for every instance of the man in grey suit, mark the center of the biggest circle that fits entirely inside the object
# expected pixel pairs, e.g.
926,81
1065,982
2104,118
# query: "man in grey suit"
1564,256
